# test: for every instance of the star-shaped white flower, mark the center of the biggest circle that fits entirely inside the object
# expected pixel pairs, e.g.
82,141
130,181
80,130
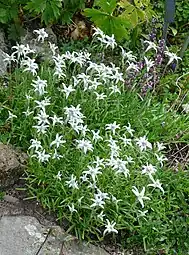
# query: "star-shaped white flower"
140,195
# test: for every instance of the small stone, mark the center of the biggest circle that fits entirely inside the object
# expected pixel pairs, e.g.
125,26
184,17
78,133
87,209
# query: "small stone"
11,167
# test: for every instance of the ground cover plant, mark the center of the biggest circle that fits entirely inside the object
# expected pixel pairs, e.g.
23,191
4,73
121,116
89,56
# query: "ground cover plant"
96,137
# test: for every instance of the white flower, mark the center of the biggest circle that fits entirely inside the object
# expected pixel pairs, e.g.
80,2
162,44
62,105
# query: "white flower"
28,112
93,172
41,34
20,50
172,57
56,120
42,156
41,128
151,45
35,144
28,97
161,159
112,127
101,96
59,176
39,86
129,129
72,183
120,166
96,135
185,108
98,201
129,159
131,67
67,90
94,84
9,59
114,89
101,216
126,141
59,71
128,55
53,48
149,63
30,64
143,143
11,116
102,195
99,162
43,103
142,213
156,184
72,208
42,118
140,195
84,129
160,146
148,169
84,145
58,141
110,227
109,41
98,32
84,178
56,155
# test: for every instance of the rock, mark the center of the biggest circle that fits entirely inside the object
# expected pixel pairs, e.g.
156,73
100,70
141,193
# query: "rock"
12,164
21,235
24,235
3,65
77,248
3,45
3,50
40,48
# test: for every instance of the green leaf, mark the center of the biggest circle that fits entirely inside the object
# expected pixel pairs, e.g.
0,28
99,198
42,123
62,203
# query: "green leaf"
94,14
106,6
4,16
174,30
138,3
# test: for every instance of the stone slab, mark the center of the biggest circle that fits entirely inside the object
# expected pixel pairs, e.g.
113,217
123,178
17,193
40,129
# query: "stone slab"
25,235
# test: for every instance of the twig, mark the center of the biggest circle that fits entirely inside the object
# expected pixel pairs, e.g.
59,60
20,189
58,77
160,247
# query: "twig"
37,253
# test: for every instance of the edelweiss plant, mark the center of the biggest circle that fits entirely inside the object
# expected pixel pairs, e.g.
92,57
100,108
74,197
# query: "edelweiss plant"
92,168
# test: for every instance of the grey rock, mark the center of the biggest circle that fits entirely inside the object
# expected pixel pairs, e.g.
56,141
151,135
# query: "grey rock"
3,65
3,50
3,45
21,235
12,164
24,235
30,38
77,248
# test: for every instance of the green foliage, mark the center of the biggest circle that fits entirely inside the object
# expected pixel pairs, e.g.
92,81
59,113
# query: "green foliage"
49,9
9,15
182,13
53,10
117,18
69,8
103,18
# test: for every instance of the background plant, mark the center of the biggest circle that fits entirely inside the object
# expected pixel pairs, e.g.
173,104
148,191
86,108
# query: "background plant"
119,18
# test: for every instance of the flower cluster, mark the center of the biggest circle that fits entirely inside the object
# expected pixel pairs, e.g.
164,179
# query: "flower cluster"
106,152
